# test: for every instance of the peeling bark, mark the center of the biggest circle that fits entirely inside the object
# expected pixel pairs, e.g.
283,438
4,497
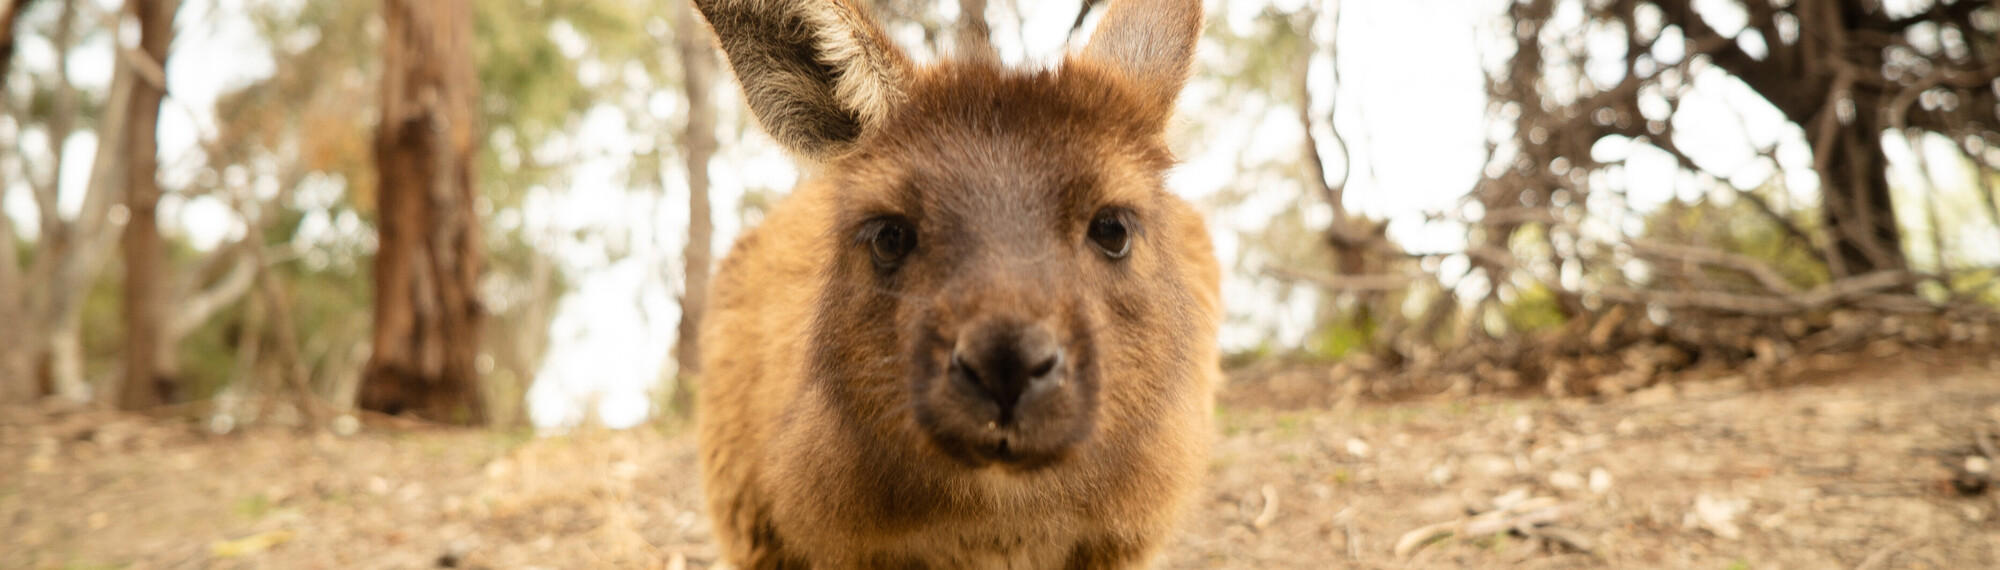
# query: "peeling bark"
429,257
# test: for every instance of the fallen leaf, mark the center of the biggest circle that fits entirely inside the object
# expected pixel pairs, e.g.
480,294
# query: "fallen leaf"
250,544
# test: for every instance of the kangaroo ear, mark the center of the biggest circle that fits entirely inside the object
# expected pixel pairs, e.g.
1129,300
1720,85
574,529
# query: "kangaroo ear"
817,73
1150,42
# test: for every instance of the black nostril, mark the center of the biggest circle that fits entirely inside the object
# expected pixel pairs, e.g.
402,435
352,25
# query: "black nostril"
958,365
1046,366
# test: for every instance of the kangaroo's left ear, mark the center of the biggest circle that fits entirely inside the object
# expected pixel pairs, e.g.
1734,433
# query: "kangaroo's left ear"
817,73
1149,42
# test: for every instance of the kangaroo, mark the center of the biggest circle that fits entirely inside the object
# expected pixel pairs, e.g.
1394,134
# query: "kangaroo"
979,333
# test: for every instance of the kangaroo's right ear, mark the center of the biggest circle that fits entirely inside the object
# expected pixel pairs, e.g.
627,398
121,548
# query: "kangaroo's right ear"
817,73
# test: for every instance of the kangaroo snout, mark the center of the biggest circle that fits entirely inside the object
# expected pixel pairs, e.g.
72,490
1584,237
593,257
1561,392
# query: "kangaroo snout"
1012,365
1006,390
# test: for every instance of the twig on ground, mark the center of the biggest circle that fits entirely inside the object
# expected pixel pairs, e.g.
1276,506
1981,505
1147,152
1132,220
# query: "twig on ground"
1530,517
1349,535
1270,512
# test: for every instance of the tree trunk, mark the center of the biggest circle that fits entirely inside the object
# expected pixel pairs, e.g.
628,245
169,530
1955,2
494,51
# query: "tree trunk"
1855,207
428,257
698,145
49,295
17,379
147,382
8,18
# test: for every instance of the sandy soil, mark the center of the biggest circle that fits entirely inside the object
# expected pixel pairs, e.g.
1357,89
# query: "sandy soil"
1875,464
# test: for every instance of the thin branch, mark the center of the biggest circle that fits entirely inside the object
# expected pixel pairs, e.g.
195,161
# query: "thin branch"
1784,223
148,68
1939,11
196,308
61,122
1331,190
1758,270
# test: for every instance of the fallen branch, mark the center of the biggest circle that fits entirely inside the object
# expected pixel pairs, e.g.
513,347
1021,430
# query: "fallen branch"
1856,289
1758,270
1530,517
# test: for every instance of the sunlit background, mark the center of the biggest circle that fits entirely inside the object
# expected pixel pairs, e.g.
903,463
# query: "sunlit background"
584,194
1509,283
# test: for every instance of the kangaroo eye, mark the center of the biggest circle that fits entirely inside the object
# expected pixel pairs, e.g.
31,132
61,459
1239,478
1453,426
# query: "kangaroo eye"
891,240
1109,234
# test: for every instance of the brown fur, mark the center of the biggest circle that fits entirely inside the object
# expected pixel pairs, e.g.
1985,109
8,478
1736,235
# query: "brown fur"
831,436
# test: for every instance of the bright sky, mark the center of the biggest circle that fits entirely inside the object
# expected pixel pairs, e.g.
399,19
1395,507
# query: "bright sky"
1411,109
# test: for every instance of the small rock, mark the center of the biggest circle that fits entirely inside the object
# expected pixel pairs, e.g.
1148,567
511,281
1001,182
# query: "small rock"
686,520
1440,475
346,425
1717,515
1524,424
1977,465
1600,481
1357,448
222,423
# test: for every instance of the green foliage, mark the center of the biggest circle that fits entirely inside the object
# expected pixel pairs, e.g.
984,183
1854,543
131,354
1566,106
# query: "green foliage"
1252,355
1343,337
1982,285
533,87
1267,59
1739,227
1532,308
254,507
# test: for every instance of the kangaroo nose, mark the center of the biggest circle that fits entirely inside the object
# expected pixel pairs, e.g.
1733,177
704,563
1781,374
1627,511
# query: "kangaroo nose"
1007,363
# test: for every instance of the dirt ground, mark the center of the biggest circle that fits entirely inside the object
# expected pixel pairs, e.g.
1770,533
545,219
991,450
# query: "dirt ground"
1874,464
